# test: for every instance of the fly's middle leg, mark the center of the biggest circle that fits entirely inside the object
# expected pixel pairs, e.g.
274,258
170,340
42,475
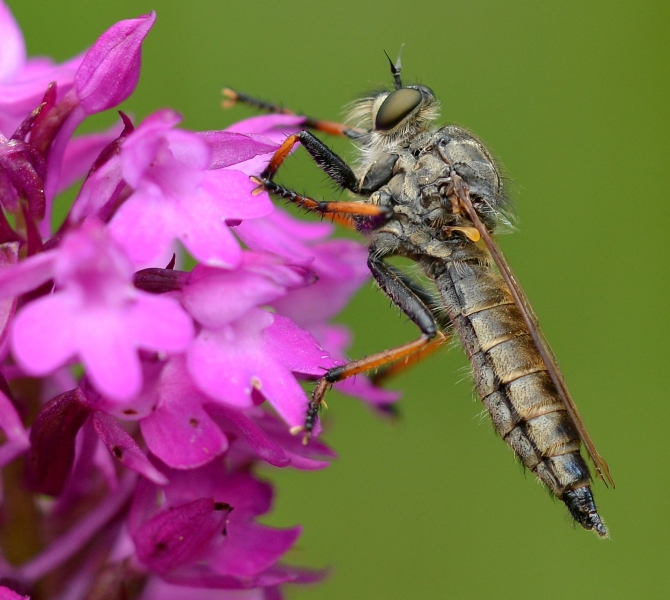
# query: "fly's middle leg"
394,285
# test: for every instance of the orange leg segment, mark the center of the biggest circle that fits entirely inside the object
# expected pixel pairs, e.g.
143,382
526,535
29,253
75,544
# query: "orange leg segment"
350,369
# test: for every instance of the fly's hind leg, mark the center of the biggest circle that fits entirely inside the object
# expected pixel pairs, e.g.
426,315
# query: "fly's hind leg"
395,285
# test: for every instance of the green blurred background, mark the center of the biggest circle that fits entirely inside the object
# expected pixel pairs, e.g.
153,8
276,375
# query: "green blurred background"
573,97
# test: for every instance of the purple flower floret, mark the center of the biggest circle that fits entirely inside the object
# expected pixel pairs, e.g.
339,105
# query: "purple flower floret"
102,318
177,196
200,530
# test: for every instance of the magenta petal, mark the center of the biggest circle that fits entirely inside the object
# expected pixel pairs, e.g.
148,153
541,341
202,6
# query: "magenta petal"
232,190
80,154
52,441
124,448
99,188
182,434
17,279
250,497
206,235
5,592
42,336
252,548
224,296
147,144
12,46
142,226
267,123
230,148
159,323
265,448
174,537
111,68
282,234
110,355
280,388
296,348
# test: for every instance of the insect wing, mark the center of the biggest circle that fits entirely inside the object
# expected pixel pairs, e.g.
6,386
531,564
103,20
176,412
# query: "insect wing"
531,323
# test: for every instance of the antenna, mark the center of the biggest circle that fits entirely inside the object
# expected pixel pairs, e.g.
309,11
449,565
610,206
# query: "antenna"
395,69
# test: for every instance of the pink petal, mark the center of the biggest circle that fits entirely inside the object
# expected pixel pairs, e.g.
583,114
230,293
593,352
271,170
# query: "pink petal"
267,123
252,548
282,234
142,227
81,152
205,234
9,253
224,363
172,537
296,348
263,446
110,354
182,434
232,191
12,46
7,594
124,448
160,323
17,279
231,148
224,296
143,145
280,388
98,189
17,440
52,440
111,68
43,336
158,589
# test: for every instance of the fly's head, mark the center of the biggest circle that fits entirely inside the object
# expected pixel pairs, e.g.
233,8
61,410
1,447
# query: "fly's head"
392,119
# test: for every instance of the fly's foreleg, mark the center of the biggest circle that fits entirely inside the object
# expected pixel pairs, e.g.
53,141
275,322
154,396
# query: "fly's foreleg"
330,127
332,165
393,284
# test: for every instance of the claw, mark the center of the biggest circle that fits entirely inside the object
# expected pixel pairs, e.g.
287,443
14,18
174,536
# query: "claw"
297,429
231,98
261,186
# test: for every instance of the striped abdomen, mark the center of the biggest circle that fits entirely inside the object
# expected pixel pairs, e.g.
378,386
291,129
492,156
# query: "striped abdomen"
512,379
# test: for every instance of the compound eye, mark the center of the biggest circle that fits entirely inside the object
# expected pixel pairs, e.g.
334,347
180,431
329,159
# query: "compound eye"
396,107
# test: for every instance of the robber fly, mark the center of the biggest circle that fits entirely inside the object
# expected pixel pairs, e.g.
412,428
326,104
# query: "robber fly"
435,195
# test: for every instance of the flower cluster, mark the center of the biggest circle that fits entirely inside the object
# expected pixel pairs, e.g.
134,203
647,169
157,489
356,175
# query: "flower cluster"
151,392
